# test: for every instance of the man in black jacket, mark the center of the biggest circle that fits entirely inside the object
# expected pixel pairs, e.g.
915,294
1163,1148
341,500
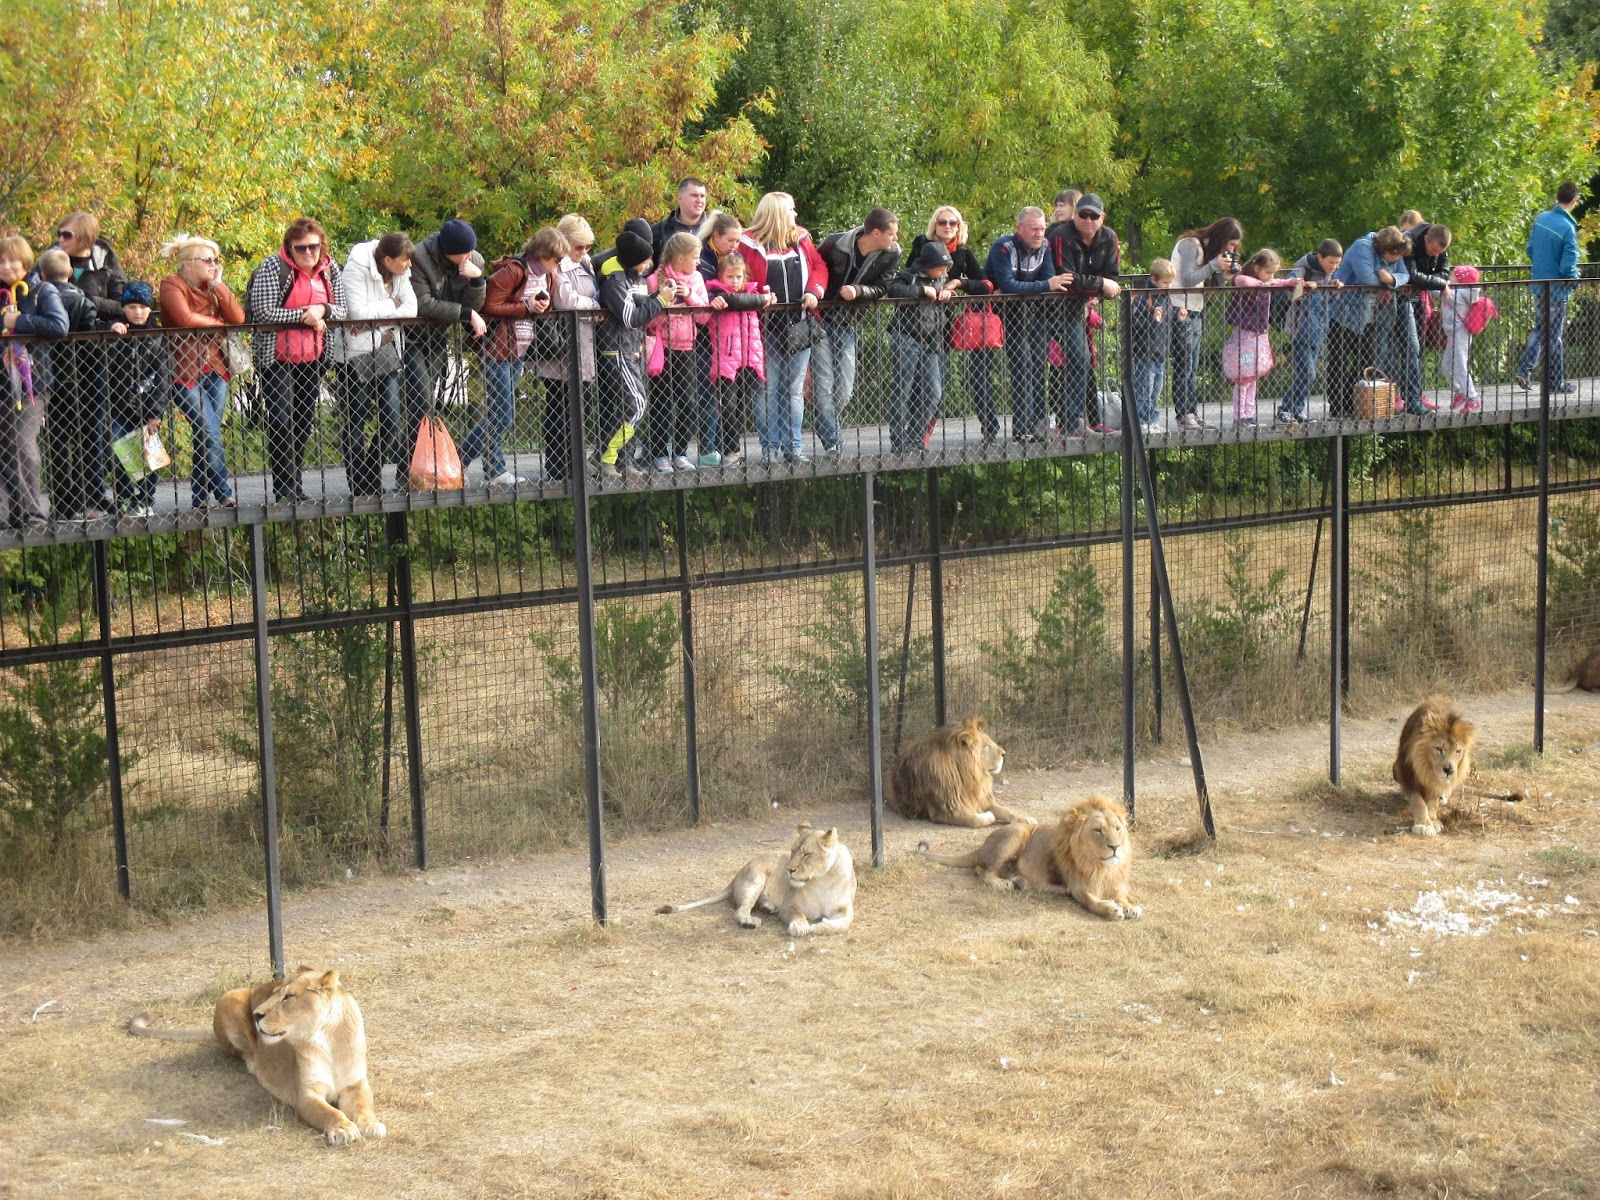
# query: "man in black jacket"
860,263
1429,264
1090,254
447,275
685,218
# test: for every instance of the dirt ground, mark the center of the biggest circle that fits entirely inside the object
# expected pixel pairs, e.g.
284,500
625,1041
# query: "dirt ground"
1318,1005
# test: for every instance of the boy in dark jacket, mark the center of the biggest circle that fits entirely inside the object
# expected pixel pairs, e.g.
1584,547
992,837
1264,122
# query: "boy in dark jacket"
447,275
140,370
1153,316
619,343
75,425
860,262
918,344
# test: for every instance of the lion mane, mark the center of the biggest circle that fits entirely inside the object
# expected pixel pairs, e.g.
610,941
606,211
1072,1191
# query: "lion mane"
304,1040
947,776
1433,760
1087,855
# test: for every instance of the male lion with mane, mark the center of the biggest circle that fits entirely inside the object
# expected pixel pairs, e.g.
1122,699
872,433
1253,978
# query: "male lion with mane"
947,776
812,886
1085,855
304,1041
1433,761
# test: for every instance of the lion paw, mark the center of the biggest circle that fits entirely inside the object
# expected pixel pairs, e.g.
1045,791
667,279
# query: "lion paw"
373,1129
1134,910
984,818
1428,829
748,920
343,1135
1030,820
800,927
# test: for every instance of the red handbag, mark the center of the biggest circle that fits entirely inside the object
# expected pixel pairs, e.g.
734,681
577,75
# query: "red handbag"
977,329
1432,331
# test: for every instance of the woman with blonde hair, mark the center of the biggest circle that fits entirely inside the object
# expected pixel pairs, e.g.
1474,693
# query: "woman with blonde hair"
780,258
577,289
95,268
195,297
949,228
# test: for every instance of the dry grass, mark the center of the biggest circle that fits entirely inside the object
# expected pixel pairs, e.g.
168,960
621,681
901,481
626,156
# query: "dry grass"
1260,1033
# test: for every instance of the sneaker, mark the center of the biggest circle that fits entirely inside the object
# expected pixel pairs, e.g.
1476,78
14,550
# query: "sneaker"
1101,427
1246,422
832,451
1155,424
1076,429
142,510
682,463
1191,421
710,460
1565,389
795,458
506,479
1462,404
1521,380
610,470
664,465
731,459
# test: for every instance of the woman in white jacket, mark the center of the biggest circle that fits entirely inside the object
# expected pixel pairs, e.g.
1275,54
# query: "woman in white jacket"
377,282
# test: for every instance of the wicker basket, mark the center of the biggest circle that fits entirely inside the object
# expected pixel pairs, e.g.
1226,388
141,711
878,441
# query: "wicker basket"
1374,396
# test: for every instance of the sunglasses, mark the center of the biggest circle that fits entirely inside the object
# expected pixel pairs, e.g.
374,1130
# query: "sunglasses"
204,262
66,235
946,221
1085,215
307,248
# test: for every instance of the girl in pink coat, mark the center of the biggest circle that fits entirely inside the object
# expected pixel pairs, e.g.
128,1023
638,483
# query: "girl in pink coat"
738,360
1247,354
671,360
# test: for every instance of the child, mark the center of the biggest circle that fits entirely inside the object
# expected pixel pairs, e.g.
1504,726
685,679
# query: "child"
672,356
1308,326
1153,318
141,373
1458,338
917,346
738,360
1247,354
30,307
75,427
619,342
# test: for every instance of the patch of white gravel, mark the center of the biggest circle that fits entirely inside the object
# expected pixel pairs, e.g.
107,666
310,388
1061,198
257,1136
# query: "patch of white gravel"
1469,911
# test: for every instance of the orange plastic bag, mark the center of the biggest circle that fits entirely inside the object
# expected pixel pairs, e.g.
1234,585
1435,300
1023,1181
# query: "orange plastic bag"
435,465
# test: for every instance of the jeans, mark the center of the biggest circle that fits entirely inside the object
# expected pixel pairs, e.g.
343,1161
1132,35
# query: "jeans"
1026,347
1073,338
979,376
1186,363
1149,373
1558,337
202,405
915,389
488,436
833,377
1307,348
781,407
363,460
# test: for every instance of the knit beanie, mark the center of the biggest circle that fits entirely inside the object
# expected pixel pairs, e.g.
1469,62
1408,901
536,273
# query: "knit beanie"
633,249
933,254
457,237
1467,275
136,291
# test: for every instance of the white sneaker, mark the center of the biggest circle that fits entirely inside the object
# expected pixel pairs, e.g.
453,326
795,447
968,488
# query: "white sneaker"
506,479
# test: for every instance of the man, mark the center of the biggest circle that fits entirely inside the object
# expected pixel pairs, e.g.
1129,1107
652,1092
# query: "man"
1429,267
1019,264
860,263
447,275
1553,253
685,218
1088,254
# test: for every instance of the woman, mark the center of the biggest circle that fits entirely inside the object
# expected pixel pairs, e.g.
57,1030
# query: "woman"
780,257
577,289
1207,257
377,284
298,287
949,228
95,268
519,288
719,234
33,309
194,297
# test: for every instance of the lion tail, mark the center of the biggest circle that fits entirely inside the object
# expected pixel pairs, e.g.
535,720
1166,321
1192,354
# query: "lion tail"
969,859
1563,689
140,1027
725,894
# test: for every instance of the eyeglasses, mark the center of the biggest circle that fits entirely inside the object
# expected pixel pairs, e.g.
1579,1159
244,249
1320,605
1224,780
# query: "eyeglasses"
204,262
945,221
66,235
1085,215
307,248
582,247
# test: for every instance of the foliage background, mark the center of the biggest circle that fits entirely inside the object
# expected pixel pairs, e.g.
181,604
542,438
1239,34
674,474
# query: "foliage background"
1304,118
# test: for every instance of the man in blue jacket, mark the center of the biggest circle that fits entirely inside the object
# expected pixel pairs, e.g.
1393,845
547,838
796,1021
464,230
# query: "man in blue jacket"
1553,251
1020,264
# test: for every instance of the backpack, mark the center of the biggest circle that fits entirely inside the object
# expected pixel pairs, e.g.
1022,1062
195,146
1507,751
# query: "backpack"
1479,315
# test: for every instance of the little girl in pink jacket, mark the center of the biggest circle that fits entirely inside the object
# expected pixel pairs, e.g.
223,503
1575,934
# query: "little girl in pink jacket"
671,359
738,360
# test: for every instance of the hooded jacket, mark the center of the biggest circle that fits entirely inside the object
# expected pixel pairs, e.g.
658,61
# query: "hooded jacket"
443,293
266,301
927,321
629,307
870,274
368,298
736,332
1553,249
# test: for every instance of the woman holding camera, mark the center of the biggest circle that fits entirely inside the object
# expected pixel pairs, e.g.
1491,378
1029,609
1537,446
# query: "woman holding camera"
1207,257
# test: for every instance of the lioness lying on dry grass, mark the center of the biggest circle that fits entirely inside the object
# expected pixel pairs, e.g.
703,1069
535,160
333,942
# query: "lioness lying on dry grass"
812,887
304,1041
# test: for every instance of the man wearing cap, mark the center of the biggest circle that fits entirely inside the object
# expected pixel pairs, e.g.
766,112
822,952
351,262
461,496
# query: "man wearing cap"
447,275
861,261
1088,253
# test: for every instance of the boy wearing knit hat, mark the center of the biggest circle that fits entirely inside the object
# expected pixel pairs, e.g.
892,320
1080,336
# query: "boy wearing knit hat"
140,373
447,275
619,343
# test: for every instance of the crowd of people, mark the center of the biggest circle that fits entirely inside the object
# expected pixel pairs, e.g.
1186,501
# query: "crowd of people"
680,358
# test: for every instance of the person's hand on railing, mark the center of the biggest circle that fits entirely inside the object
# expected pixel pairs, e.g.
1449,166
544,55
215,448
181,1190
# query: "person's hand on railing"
1061,282
1110,288
479,325
808,301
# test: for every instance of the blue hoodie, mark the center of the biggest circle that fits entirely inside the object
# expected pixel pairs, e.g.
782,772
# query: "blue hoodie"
1360,268
1553,249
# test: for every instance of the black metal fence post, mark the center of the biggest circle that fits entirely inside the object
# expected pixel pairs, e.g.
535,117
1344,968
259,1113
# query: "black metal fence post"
410,691
936,586
1132,444
108,693
269,777
869,585
691,723
578,475
1157,698
1336,586
1542,597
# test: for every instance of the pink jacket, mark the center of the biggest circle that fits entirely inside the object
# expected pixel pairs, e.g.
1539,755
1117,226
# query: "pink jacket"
736,337
679,326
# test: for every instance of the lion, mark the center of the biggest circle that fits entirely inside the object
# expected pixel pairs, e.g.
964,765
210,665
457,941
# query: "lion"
1585,675
1433,761
812,886
304,1041
1087,856
947,776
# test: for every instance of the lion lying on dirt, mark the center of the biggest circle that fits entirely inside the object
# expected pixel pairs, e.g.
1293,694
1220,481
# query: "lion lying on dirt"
1086,855
812,887
1585,675
947,776
304,1041
1433,761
